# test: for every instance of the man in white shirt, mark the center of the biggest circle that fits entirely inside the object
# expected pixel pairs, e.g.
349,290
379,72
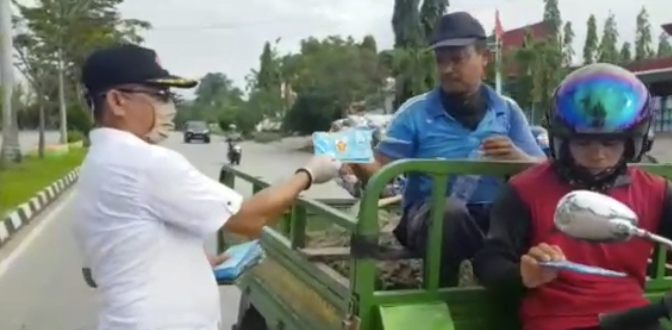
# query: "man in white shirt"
143,211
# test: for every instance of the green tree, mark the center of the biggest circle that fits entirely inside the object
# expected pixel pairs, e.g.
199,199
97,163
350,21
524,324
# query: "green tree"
184,111
65,32
215,96
414,71
553,18
548,66
334,71
37,69
269,81
643,37
664,47
567,44
312,111
430,13
268,76
625,54
608,48
590,47
416,74
369,43
523,60
406,24
547,72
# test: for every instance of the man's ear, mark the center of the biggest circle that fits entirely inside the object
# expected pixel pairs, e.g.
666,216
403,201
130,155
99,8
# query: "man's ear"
116,100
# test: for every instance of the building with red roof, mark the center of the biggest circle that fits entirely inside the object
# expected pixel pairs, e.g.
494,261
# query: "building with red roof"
651,71
655,72
515,38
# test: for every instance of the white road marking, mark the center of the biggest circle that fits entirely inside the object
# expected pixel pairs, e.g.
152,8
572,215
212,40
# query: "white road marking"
35,232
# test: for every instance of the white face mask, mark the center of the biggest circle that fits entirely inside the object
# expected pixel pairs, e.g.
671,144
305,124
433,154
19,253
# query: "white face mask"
163,124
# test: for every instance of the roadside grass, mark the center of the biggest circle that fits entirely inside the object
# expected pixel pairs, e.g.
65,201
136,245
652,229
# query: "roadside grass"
267,137
19,183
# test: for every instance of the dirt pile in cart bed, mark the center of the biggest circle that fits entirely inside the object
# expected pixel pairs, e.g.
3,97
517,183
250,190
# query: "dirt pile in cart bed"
392,275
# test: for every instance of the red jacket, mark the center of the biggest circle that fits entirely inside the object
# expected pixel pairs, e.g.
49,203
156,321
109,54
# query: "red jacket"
575,300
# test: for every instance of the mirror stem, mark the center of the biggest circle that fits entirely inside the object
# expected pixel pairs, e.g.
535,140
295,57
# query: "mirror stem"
658,239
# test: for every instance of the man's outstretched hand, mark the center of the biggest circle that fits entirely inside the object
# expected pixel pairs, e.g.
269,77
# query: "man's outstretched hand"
322,168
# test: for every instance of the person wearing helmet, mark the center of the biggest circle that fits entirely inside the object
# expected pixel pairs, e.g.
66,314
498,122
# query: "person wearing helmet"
232,137
598,122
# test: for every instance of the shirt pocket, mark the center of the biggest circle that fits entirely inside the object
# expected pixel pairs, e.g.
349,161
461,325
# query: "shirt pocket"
441,143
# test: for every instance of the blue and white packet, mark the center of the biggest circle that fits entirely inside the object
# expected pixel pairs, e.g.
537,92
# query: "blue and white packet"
352,145
581,268
241,258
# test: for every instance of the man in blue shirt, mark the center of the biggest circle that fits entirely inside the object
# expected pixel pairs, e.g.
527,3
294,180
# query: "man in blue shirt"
458,119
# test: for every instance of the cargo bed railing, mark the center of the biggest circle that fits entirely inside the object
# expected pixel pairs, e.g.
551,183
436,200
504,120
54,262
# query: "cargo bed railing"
363,279
294,222
365,252
284,244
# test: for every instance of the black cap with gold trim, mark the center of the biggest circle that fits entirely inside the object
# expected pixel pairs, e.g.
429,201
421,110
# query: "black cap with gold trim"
127,64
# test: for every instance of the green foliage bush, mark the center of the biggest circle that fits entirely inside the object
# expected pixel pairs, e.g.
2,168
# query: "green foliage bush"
312,112
75,136
80,120
245,119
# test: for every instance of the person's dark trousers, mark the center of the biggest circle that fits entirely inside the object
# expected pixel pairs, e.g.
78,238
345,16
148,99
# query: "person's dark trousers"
463,234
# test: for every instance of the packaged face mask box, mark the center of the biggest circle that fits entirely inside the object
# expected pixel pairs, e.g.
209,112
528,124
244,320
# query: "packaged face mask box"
241,258
351,145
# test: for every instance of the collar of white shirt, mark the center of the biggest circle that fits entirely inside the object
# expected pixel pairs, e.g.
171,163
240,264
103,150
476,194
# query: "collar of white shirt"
102,134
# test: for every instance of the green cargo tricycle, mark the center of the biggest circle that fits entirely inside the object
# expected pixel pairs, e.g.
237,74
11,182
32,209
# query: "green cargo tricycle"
293,288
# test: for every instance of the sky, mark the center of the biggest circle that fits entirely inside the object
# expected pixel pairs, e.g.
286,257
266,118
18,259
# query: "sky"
200,36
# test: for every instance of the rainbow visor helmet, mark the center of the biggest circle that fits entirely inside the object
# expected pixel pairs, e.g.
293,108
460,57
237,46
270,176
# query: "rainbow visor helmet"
601,101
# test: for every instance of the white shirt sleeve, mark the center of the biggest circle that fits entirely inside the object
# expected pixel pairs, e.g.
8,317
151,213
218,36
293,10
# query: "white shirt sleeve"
179,194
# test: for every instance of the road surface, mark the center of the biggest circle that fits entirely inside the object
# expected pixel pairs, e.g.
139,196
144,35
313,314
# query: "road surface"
41,287
28,139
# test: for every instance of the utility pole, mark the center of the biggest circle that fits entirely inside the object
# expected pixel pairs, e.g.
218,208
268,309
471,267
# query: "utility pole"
499,32
7,81
63,111
10,150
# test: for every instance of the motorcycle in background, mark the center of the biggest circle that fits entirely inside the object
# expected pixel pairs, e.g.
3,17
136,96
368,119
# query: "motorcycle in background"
235,154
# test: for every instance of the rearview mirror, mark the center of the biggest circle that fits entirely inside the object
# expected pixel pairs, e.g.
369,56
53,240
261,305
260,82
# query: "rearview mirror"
595,217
